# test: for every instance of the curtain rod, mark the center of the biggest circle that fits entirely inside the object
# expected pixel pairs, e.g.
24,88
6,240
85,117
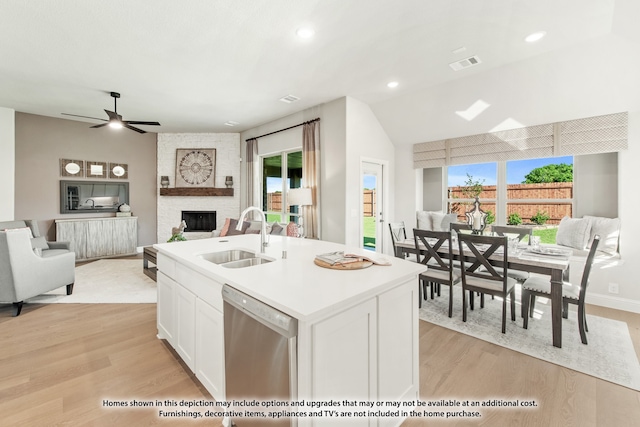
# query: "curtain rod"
282,130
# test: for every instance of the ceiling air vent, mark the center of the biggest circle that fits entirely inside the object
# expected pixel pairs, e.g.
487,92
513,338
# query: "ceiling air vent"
289,99
465,63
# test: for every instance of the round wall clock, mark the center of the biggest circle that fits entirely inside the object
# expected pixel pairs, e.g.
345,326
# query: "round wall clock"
196,167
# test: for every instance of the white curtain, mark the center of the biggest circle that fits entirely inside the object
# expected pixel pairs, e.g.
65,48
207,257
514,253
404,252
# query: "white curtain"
311,176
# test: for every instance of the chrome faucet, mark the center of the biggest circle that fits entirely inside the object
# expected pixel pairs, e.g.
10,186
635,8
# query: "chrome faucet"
93,202
263,228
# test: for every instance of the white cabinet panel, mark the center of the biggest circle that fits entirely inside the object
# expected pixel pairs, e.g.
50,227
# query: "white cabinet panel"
345,359
185,315
166,297
210,349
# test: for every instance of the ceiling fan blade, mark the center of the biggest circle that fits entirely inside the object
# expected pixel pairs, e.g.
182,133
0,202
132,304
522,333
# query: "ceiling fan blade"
135,122
86,117
113,116
98,126
134,128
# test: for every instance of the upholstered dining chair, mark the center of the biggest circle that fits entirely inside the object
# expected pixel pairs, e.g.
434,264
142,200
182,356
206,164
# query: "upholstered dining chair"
488,280
571,294
439,271
521,232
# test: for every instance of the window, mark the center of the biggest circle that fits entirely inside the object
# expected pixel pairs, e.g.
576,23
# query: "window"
533,191
280,173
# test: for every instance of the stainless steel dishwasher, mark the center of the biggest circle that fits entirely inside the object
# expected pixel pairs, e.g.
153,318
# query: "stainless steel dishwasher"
260,352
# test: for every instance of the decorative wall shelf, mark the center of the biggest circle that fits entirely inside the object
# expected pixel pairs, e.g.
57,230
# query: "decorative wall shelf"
196,191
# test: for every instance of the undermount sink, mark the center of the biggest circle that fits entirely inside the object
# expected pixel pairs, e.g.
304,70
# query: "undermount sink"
227,256
248,262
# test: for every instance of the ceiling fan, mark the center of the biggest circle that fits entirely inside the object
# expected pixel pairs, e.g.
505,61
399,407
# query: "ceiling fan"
115,120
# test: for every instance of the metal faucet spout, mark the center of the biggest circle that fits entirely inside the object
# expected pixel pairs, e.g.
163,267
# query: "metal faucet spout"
263,228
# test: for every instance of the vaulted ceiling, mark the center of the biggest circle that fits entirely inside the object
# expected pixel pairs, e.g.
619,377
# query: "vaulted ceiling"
195,65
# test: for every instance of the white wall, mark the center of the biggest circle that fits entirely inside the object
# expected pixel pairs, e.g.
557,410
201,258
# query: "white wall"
227,146
366,140
7,164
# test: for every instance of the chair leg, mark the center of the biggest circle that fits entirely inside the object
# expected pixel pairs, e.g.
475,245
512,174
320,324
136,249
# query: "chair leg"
420,290
482,300
526,300
513,305
450,301
464,305
504,314
471,300
431,286
18,307
565,309
582,324
70,289
532,306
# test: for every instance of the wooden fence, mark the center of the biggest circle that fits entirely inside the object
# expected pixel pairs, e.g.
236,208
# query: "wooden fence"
552,190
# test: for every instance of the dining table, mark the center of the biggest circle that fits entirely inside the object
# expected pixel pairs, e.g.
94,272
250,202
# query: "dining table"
546,260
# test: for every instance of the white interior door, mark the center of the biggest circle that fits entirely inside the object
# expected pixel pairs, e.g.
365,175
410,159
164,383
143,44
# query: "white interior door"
372,213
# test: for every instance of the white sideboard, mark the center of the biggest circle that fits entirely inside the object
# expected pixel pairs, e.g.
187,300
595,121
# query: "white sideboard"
99,237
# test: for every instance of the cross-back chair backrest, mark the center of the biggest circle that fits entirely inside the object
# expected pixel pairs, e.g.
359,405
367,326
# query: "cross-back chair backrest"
502,230
587,268
477,250
428,244
459,226
398,232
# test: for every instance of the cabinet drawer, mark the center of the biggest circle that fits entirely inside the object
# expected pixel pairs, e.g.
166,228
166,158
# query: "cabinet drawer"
208,290
167,265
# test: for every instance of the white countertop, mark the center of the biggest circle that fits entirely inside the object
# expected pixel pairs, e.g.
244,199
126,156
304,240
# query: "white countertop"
294,285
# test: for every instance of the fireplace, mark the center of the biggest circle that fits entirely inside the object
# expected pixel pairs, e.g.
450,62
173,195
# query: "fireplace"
199,220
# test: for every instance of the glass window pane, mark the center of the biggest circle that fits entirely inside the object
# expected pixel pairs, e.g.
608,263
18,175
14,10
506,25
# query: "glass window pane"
294,178
465,182
272,185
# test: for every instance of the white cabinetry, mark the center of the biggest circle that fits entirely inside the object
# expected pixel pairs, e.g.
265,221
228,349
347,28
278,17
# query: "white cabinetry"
99,237
210,349
190,319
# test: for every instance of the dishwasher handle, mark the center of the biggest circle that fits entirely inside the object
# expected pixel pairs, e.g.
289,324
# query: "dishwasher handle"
273,318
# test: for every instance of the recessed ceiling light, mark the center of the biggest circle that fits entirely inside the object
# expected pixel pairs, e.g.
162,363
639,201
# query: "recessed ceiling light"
305,32
392,84
534,37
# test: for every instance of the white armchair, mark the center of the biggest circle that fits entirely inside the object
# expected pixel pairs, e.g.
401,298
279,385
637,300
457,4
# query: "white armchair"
25,274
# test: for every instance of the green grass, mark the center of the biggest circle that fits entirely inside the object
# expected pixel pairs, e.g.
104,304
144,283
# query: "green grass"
369,231
547,235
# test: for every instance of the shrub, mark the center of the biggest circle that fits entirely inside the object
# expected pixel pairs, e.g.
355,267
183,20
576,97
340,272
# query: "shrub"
491,218
178,237
514,219
540,218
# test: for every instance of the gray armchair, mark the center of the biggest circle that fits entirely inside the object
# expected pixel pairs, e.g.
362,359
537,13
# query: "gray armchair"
25,271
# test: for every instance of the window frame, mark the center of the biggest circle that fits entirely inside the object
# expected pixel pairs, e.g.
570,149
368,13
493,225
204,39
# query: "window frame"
285,215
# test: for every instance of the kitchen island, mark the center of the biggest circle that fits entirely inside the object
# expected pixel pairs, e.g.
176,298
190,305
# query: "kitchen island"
357,329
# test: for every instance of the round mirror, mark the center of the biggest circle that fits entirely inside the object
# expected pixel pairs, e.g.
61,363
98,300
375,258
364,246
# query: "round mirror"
118,171
72,168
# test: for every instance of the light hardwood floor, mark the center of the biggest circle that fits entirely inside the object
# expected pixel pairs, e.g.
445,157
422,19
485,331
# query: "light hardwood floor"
59,362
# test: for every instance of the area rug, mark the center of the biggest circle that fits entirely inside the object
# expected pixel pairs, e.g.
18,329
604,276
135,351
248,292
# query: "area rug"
105,281
609,354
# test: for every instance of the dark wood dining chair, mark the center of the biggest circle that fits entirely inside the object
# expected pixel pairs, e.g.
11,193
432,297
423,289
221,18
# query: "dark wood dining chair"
398,232
459,226
487,280
521,232
430,246
571,294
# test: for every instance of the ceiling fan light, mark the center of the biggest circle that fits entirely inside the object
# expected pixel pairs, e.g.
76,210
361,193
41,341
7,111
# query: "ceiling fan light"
115,124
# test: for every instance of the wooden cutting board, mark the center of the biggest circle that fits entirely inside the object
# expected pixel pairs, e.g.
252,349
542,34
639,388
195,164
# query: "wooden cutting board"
358,265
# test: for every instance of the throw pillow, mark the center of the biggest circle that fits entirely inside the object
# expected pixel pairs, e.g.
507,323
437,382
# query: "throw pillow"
446,222
424,220
225,227
252,231
609,231
232,228
436,220
39,243
574,232
276,229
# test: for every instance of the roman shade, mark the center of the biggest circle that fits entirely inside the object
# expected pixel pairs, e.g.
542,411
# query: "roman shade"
601,134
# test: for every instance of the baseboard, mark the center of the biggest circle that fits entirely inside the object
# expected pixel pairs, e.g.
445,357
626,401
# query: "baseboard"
617,303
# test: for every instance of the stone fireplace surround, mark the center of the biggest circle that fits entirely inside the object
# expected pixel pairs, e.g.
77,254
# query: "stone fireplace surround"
169,208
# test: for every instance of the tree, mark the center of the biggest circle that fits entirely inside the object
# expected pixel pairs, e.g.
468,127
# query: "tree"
561,172
471,189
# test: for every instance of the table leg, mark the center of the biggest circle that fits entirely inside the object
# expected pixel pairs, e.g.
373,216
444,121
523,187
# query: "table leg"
556,307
